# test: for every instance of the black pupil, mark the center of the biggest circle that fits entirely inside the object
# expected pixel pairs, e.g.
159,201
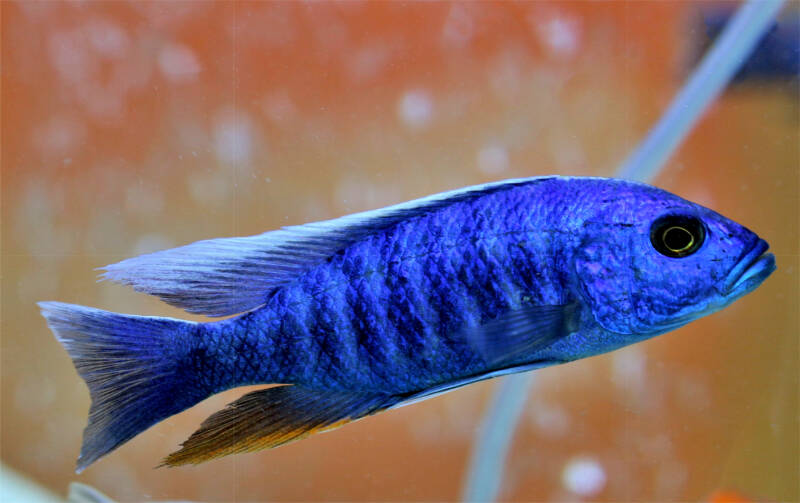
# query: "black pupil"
677,238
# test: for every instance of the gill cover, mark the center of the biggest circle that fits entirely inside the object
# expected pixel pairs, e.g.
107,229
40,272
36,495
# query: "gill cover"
603,268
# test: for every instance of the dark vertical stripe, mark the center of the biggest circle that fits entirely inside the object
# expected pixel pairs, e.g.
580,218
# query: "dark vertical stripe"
402,314
478,273
322,324
368,348
295,353
528,272
491,277
446,296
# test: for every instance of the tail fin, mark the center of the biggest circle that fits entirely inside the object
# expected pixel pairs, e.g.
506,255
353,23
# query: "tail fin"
131,366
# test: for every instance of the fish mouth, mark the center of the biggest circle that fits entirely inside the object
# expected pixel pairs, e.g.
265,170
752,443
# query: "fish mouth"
751,270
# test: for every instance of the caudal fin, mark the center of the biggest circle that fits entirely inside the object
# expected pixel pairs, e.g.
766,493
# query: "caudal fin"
130,364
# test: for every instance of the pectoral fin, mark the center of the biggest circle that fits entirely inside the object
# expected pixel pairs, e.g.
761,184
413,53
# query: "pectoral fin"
519,332
272,417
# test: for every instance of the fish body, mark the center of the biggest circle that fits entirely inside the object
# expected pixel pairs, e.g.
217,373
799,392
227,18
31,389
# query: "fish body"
375,310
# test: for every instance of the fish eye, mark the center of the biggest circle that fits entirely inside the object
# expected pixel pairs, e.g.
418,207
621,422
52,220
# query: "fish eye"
677,236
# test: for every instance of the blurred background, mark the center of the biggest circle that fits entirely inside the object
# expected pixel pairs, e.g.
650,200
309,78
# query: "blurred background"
129,127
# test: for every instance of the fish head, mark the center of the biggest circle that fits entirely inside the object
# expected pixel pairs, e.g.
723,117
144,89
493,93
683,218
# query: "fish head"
662,262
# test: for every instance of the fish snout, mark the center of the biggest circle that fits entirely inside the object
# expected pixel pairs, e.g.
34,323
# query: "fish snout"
750,271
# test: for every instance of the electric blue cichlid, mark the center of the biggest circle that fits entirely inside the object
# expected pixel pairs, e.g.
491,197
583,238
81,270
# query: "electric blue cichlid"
375,310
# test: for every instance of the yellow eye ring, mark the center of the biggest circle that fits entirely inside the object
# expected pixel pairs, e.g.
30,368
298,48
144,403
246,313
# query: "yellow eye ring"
677,239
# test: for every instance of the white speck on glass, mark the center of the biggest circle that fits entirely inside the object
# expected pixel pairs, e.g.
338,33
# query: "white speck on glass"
629,366
59,135
459,27
178,63
69,55
107,39
560,33
492,159
367,62
584,476
232,138
553,421
415,109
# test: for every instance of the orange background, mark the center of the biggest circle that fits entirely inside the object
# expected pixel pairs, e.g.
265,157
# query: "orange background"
134,126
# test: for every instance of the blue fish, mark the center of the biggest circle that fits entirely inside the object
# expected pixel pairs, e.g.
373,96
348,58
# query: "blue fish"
376,310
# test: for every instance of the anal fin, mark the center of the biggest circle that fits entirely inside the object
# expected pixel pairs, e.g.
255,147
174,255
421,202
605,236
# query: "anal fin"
272,417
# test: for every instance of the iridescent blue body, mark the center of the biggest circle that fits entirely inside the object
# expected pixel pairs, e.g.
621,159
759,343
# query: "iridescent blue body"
380,313
370,311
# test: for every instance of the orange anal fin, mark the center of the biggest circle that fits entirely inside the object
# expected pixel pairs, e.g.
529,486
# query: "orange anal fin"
272,417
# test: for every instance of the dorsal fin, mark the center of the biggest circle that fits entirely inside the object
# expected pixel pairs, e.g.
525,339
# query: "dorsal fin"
219,277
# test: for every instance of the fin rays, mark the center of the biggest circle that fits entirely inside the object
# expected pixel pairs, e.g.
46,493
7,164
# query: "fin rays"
272,417
220,277
127,367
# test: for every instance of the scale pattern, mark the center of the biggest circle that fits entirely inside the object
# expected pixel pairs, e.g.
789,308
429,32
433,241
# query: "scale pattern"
384,313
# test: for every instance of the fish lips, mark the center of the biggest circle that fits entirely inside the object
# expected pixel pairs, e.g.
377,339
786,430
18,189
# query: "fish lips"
751,270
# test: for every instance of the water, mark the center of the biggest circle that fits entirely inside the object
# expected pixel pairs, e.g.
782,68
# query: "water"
130,128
